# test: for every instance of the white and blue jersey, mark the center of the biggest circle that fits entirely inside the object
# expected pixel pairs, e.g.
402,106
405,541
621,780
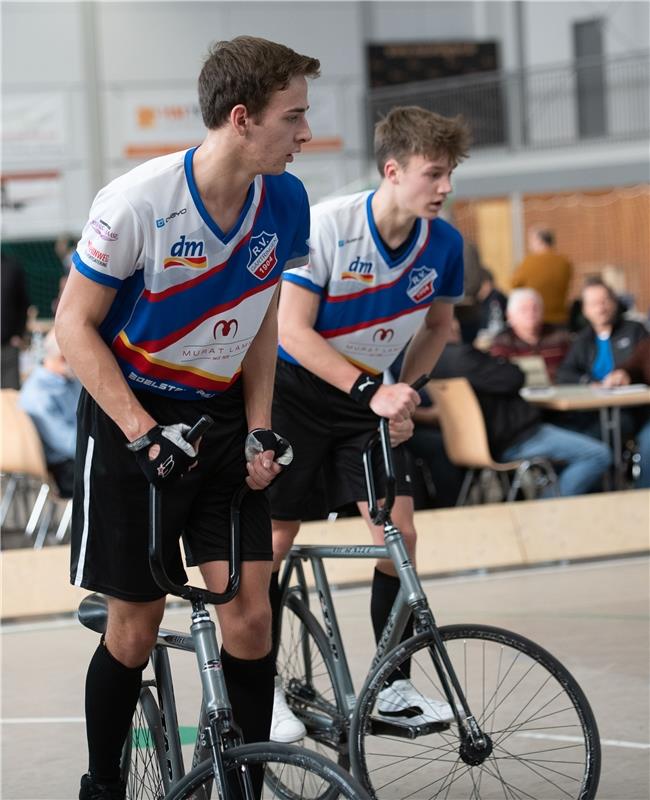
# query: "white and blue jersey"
372,304
190,298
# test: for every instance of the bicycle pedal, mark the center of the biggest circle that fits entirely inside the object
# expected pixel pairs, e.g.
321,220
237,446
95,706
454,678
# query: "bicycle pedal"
404,727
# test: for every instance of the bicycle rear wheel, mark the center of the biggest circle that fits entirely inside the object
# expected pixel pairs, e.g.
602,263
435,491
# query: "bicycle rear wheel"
291,773
543,738
144,753
304,663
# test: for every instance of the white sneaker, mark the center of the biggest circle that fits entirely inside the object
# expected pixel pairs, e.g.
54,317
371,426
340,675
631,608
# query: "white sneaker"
285,726
402,701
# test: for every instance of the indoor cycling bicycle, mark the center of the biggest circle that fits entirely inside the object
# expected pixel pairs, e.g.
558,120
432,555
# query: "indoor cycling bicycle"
222,766
518,725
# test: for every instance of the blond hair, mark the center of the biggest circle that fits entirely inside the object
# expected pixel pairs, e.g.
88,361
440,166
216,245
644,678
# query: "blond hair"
410,130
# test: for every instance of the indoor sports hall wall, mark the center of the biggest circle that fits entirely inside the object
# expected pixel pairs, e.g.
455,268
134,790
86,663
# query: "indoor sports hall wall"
91,88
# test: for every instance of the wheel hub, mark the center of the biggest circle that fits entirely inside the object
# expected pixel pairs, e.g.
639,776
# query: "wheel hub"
475,754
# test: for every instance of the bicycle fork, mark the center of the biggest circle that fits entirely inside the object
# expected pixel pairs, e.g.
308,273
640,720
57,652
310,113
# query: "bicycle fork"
220,729
476,746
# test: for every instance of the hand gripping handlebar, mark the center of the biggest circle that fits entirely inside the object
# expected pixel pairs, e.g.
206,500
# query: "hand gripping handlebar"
379,515
156,560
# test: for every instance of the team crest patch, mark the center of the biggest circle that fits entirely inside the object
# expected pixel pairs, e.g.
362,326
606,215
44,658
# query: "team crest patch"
421,284
262,258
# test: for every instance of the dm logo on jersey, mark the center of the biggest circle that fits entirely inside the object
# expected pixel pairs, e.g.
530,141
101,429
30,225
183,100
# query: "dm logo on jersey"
359,270
383,335
187,253
421,284
225,326
262,256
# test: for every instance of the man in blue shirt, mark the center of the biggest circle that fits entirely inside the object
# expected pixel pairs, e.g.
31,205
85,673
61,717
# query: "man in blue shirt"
597,351
49,396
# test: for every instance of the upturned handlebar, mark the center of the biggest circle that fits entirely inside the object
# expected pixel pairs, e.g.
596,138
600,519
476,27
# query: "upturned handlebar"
156,560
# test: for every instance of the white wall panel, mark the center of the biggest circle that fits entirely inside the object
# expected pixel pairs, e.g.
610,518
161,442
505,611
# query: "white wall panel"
141,47
42,44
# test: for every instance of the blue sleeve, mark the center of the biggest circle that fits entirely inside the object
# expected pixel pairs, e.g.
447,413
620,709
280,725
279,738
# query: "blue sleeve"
451,283
299,253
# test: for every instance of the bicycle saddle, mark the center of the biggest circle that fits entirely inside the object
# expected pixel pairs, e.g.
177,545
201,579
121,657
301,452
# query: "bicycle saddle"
93,612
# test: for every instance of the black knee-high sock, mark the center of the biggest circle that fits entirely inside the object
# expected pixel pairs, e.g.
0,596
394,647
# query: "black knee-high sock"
275,598
111,696
385,589
250,689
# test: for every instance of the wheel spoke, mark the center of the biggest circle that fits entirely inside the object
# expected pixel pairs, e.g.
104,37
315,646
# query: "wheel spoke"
514,691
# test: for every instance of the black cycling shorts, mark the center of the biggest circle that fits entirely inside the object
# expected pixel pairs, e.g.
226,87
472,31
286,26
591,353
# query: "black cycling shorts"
110,508
328,432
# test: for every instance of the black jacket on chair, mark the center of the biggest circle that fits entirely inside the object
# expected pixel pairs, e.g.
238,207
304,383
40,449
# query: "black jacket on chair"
496,382
576,367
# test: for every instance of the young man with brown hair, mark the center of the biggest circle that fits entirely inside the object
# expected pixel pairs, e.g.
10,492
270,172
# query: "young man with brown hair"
170,313
384,273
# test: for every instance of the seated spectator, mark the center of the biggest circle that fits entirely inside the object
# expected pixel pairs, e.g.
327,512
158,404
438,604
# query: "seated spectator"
636,369
605,343
528,335
492,302
599,349
468,310
49,396
13,317
514,427
426,445
546,271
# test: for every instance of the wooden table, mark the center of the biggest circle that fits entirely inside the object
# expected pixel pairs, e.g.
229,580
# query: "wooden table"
608,403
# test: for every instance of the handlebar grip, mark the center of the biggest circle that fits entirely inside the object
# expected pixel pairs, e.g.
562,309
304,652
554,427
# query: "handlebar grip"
420,383
199,428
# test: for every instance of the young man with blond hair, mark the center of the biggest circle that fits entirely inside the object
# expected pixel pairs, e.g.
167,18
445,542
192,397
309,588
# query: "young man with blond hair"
170,313
383,275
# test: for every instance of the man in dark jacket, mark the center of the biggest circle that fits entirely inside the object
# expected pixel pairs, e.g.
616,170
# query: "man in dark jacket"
605,343
597,351
514,427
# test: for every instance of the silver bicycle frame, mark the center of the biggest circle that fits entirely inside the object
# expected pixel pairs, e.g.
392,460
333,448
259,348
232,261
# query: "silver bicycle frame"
411,598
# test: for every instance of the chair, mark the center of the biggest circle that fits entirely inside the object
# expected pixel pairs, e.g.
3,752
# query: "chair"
466,442
22,460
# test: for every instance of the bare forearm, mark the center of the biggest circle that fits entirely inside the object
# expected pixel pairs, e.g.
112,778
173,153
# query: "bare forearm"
96,368
258,372
315,354
424,351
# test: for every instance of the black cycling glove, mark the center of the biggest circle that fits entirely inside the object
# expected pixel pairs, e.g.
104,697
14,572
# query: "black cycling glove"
261,439
174,459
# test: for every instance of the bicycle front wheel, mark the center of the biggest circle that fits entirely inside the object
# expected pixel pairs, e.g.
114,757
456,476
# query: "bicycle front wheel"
304,663
144,753
543,738
290,773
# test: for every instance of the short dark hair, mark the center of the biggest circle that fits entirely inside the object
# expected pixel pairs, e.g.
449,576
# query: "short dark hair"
595,280
546,236
410,130
247,70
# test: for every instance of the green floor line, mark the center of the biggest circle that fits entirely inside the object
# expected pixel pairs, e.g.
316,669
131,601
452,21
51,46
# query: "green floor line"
142,737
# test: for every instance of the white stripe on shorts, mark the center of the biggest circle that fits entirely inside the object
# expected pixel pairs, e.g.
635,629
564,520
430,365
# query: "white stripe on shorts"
84,536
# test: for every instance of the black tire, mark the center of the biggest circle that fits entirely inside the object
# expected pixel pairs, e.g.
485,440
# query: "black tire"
143,763
304,774
304,662
543,733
